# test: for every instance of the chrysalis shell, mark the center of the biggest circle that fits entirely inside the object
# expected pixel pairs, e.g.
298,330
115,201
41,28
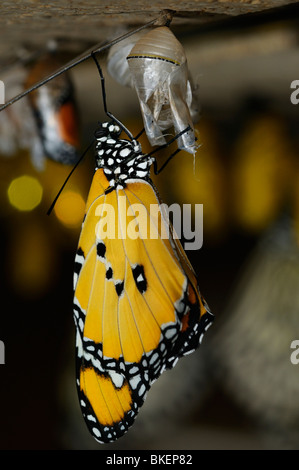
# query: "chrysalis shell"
117,64
160,43
158,66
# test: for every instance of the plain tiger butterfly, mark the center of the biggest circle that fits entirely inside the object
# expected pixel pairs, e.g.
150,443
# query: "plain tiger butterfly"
137,305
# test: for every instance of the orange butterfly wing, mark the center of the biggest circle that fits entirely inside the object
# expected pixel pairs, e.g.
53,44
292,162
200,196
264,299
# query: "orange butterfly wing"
137,307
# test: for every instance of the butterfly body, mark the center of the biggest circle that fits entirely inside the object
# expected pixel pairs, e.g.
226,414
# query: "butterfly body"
120,158
137,307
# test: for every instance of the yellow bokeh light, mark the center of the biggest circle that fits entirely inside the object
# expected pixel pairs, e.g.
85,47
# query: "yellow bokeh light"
25,193
69,209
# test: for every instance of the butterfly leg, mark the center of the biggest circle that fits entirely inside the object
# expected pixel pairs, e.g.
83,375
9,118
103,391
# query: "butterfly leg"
110,115
156,170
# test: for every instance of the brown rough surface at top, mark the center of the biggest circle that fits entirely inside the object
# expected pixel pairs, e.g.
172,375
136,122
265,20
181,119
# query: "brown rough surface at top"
31,24
31,8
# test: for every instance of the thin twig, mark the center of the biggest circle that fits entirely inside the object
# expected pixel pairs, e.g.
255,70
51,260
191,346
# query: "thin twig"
164,18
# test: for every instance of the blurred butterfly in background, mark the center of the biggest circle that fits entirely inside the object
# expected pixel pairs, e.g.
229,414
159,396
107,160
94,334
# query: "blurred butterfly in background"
137,305
55,111
46,121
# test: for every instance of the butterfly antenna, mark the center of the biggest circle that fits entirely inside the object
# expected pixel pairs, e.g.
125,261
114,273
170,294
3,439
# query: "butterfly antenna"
110,115
70,174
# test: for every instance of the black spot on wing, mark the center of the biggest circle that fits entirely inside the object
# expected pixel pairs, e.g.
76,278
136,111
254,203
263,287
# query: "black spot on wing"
109,273
77,267
139,278
119,287
78,260
101,249
80,252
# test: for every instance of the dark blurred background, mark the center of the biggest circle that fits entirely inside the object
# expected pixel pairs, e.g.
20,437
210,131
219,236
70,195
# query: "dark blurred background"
240,389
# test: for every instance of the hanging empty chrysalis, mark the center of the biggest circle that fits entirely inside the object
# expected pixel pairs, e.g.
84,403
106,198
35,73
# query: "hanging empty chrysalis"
157,69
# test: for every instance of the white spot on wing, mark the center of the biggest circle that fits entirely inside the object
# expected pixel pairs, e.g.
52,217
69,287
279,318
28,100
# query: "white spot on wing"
96,432
117,379
134,382
91,418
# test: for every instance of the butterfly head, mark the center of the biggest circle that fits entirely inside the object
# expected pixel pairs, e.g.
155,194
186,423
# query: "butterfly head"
108,130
